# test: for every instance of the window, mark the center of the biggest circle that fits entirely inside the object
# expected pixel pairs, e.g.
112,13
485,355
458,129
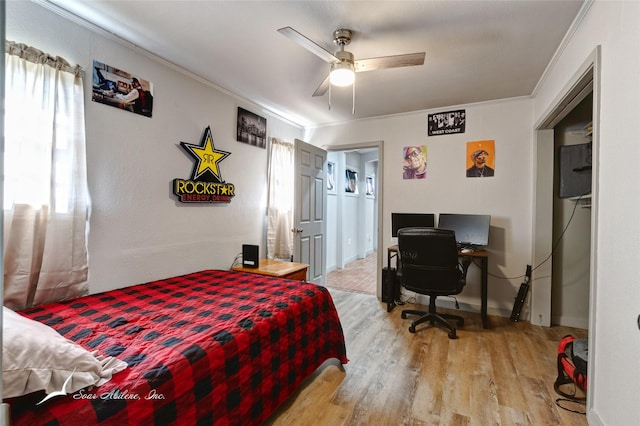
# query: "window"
46,201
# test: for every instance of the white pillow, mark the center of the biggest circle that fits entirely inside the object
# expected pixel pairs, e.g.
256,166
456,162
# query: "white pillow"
36,357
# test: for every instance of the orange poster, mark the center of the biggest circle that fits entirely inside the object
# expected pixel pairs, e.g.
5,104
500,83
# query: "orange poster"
481,157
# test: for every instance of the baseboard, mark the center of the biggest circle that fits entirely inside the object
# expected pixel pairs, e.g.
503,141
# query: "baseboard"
593,419
351,259
449,303
575,322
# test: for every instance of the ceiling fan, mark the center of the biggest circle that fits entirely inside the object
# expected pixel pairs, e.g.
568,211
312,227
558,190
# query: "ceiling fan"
343,65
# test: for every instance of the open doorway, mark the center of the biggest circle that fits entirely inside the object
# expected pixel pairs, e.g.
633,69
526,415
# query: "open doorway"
354,202
549,222
572,217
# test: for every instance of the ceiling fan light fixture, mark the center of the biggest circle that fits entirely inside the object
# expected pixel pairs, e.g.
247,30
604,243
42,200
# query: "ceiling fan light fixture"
342,74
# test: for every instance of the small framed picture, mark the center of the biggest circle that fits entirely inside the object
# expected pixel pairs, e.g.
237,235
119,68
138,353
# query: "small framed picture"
120,89
331,178
251,128
415,162
446,123
371,189
351,181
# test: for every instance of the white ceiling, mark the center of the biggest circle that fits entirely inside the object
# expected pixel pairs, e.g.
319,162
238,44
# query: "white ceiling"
475,50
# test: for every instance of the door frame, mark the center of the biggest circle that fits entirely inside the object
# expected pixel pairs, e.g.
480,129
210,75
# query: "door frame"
380,194
586,80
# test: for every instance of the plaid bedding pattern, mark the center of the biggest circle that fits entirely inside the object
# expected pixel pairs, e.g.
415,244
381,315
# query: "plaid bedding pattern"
212,347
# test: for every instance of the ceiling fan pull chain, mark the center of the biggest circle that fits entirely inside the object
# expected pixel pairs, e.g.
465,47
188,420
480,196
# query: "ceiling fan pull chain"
329,96
353,98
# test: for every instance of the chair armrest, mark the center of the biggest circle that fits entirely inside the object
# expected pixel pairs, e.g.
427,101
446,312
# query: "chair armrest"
464,266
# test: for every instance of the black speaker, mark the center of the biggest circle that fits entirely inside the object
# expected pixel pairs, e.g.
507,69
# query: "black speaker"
390,288
250,256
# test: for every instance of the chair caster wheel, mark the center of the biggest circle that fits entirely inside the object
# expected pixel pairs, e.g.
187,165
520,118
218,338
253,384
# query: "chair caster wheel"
412,329
403,315
452,335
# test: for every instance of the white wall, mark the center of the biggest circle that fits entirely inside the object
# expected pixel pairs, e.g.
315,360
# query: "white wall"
139,232
369,237
614,343
350,214
333,225
506,196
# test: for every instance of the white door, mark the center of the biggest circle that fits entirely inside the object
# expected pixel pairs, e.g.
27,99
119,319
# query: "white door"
310,209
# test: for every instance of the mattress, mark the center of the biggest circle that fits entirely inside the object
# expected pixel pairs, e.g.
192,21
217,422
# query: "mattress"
211,347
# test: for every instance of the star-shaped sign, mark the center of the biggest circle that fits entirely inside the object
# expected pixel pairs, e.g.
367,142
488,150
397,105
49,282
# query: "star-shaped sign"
207,157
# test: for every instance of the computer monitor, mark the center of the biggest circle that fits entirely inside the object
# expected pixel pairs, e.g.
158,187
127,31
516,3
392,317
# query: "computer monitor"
471,229
411,220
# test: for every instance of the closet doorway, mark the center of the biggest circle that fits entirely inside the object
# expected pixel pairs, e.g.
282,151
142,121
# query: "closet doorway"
563,225
570,280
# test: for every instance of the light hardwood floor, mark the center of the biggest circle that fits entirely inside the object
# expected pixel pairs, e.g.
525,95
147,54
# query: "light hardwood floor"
498,376
358,276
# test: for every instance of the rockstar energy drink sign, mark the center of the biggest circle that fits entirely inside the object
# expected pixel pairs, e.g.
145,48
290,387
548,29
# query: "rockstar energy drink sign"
206,184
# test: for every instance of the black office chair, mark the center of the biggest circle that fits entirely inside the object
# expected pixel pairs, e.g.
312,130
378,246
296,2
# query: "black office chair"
430,265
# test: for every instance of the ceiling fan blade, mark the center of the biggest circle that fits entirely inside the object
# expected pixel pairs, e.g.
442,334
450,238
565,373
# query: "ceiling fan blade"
383,62
322,89
308,44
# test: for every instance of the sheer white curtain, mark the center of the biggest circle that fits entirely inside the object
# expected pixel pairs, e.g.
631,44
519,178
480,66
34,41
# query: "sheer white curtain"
46,200
280,203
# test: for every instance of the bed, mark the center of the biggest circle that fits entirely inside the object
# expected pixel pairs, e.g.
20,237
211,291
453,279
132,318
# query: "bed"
211,347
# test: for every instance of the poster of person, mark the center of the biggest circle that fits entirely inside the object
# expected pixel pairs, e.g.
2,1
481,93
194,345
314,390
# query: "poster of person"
446,123
480,159
370,186
121,89
415,162
251,128
331,177
351,181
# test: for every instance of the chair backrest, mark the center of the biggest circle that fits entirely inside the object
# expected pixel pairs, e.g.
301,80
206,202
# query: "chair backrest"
429,261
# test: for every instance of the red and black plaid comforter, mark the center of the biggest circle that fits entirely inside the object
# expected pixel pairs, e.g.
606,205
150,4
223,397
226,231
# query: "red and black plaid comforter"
213,347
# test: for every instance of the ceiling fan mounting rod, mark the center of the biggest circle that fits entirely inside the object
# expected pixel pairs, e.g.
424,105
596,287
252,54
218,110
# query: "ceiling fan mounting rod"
342,37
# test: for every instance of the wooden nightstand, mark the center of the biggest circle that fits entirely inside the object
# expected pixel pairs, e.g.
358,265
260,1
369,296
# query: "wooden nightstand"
277,268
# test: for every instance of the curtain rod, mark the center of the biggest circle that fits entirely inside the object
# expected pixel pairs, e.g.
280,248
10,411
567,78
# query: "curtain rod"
37,56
